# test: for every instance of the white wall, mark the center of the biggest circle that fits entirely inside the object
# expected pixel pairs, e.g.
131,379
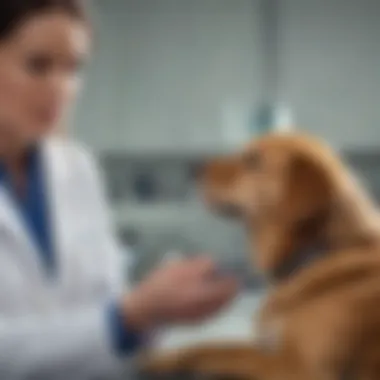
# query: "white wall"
164,71
330,67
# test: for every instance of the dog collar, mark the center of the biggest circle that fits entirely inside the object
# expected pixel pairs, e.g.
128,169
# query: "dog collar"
298,261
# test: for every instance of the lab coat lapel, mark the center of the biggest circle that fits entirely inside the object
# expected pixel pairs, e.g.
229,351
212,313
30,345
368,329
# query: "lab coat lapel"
56,171
69,214
13,228
61,186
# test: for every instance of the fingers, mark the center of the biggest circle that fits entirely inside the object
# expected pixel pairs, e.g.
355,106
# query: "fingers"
197,265
216,295
202,265
216,284
221,289
183,290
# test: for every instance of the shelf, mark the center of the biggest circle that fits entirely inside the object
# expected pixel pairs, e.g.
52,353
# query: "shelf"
196,153
160,213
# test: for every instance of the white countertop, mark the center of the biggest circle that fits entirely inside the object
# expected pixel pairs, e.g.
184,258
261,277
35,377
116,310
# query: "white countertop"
236,323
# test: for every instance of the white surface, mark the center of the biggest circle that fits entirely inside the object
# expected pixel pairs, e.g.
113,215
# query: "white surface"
235,324
283,119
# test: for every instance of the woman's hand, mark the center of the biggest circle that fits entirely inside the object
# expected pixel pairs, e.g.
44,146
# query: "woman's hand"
184,291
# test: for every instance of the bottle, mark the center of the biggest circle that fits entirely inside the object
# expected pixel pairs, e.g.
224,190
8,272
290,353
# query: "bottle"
261,122
270,118
283,119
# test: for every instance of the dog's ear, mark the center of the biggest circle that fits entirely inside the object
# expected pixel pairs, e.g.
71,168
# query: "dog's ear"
307,191
300,215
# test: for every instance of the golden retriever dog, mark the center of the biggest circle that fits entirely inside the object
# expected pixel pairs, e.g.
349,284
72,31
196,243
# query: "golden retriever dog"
321,320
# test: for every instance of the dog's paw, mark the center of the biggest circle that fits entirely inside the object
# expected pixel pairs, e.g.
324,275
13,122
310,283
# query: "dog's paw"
162,364
177,365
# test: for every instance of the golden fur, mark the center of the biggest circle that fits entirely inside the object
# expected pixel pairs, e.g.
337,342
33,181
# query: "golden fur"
322,322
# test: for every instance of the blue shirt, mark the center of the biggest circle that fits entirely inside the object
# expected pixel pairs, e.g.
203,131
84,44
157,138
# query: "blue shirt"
32,202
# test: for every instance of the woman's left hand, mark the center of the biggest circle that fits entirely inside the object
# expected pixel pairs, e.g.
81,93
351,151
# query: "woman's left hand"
183,291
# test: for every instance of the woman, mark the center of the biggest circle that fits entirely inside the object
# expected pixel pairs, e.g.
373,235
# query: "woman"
64,310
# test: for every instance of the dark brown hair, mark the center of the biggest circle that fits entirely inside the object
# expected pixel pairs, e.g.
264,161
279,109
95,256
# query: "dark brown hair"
14,12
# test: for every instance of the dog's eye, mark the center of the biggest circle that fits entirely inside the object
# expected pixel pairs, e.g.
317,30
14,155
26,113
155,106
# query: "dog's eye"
252,161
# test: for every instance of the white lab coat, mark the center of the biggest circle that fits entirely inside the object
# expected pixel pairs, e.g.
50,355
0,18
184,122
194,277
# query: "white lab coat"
57,328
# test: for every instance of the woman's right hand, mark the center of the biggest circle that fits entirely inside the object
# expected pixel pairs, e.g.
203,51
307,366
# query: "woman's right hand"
182,291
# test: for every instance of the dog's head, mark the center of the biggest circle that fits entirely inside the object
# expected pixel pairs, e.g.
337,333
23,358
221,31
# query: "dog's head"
283,187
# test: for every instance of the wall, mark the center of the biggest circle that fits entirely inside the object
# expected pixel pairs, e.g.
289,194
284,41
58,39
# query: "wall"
329,67
166,71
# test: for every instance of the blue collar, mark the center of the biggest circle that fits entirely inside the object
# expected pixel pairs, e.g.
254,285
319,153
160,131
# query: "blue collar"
33,203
